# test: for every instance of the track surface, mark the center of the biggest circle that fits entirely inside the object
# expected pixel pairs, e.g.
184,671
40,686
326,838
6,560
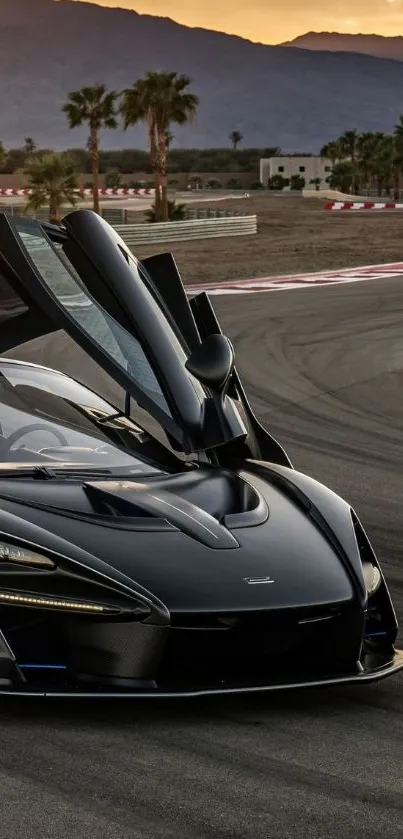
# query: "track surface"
325,369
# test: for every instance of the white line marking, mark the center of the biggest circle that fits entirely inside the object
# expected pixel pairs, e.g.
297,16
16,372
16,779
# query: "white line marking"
294,281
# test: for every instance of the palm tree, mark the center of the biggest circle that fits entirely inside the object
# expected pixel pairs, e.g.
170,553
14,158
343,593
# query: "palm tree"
349,146
53,181
236,138
332,151
384,163
136,106
29,146
374,156
3,155
397,157
176,105
169,138
159,99
96,107
341,176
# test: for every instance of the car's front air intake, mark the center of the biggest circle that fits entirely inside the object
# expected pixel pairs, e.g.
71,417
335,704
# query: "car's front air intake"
248,648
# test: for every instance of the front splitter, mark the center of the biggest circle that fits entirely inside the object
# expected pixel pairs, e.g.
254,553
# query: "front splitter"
365,676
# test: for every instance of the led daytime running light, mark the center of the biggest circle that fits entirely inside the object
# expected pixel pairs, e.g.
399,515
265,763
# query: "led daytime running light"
28,600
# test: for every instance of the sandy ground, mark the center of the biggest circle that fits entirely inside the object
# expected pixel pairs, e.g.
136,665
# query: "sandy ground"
135,204
294,235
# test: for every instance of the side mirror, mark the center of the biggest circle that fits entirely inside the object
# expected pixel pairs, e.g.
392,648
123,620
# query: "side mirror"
212,362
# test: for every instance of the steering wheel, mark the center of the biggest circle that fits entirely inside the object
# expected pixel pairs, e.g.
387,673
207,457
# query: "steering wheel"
35,426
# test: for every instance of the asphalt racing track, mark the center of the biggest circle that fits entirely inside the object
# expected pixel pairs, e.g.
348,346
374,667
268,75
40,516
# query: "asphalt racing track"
324,366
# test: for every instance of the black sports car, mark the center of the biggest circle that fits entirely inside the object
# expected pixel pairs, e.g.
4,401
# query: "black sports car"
131,565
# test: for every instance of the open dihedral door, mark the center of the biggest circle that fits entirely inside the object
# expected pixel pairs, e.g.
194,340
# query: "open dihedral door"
135,321
91,286
228,423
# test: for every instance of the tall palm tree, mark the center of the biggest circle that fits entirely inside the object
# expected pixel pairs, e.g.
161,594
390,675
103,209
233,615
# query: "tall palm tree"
137,105
3,155
341,176
349,145
373,153
397,156
159,99
236,138
53,181
332,151
384,163
29,146
176,105
96,107
169,140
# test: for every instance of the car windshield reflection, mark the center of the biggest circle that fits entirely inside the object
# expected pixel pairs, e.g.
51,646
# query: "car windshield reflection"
45,417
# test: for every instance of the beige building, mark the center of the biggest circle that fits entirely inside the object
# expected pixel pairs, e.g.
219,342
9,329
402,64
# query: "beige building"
309,168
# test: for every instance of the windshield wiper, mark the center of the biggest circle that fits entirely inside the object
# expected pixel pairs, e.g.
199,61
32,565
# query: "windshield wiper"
110,417
56,471
41,473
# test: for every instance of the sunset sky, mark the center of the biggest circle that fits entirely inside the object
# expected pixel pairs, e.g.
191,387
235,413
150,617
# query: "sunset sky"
273,21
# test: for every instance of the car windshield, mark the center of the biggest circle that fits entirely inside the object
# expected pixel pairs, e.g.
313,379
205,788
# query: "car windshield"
125,350
46,417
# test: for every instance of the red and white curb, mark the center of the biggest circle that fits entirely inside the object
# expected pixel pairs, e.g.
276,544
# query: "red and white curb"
363,205
294,281
109,193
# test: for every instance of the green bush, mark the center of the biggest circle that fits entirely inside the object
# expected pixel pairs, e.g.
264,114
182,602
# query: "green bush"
316,182
195,182
176,212
113,179
277,182
297,182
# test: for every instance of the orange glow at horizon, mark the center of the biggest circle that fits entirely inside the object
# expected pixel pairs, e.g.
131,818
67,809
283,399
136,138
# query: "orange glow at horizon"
273,21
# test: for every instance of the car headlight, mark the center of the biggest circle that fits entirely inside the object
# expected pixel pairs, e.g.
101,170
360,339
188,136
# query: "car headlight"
24,556
372,577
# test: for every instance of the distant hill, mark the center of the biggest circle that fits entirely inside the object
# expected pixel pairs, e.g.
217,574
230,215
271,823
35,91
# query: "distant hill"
375,45
276,96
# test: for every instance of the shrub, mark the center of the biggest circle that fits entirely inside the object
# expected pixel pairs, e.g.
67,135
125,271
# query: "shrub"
196,182
277,182
176,212
113,179
297,182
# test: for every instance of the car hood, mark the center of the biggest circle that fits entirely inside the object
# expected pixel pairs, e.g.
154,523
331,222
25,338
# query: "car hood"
187,539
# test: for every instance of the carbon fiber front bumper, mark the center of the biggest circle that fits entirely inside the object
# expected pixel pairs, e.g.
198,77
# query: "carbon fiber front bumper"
371,669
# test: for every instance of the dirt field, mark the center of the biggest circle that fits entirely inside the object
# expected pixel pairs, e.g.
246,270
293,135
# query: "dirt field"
294,235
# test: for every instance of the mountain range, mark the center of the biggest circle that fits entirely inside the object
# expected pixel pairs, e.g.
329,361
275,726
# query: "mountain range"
375,45
283,96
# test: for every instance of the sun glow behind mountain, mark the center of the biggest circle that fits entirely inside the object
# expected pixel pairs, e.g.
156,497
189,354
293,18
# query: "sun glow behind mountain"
278,20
